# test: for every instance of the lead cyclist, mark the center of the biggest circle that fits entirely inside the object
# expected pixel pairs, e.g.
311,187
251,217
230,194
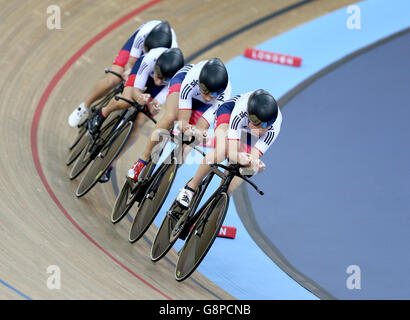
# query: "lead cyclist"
257,115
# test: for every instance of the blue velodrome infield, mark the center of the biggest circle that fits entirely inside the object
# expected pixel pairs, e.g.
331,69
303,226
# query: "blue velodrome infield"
241,267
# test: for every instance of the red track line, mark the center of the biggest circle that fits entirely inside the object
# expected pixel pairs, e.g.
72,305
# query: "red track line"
36,121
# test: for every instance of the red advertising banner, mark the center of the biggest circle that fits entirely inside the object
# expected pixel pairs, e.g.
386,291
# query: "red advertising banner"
227,232
272,57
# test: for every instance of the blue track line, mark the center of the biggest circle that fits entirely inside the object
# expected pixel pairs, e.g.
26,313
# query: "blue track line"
15,290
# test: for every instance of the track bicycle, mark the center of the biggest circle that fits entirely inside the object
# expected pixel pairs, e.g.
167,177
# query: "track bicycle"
198,227
104,147
154,187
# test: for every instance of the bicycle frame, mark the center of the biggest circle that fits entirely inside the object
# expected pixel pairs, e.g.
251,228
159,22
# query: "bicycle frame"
223,188
132,112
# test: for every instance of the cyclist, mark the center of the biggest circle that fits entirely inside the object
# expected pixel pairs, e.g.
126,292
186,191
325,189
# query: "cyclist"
194,95
252,114
146,84
152,34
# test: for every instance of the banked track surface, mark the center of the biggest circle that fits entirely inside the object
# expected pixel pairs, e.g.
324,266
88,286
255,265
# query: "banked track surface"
42,222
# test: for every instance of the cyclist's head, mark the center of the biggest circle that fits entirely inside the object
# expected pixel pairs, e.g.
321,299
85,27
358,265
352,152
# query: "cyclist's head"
168,63
262,108
160,36
213,78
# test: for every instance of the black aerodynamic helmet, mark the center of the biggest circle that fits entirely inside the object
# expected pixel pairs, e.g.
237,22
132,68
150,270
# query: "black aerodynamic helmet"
262,107
160,36
168,63
213,77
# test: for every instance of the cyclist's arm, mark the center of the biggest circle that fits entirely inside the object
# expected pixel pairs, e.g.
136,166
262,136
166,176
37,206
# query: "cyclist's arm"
138,86
237,121
156,104
185,102
233,150
183,117
128,67
145,67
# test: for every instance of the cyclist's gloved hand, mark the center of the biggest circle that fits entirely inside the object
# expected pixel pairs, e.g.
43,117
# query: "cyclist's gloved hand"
258,165
252,166
125,74
142,98
154,107
244,159
192,131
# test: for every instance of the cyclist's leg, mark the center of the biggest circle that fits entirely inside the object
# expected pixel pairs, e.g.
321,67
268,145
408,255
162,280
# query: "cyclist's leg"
220,153
131,94
156,92
217,155
236,181
121,63
165,123
103,86
99,117
138,124
200,123
115,105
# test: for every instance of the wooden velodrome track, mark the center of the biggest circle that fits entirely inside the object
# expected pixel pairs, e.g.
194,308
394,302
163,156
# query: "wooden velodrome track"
42,222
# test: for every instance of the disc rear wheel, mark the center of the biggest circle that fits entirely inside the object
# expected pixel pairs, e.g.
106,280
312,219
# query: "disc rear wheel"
87,154
153,200
162,242
80,144
103,161
201,237
129,195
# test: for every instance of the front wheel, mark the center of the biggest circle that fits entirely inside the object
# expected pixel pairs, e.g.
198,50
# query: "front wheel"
202,236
